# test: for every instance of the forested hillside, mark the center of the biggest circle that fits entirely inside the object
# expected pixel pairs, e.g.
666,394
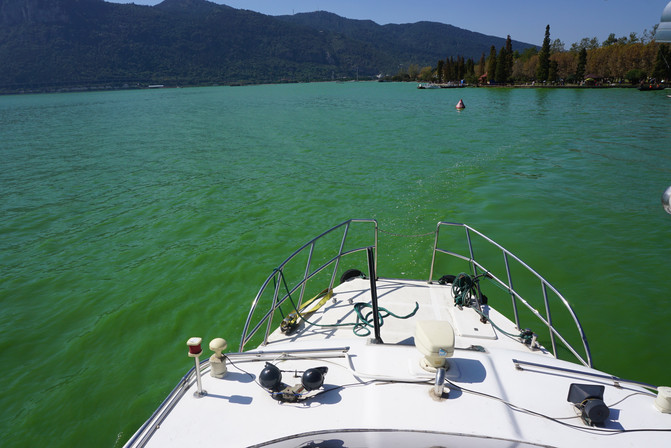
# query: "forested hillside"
421,43
47,44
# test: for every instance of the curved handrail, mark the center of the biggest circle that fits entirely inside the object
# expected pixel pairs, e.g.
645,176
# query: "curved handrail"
516,297
277,273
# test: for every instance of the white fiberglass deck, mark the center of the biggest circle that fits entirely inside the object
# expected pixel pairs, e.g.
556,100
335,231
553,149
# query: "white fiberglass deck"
377,395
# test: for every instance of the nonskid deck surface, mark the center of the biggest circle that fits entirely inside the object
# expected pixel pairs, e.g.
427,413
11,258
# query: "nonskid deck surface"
381,387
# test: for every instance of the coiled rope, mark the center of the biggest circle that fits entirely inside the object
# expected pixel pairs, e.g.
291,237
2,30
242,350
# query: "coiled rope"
464,288
364,322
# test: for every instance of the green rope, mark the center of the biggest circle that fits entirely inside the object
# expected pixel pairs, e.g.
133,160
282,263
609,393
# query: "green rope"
363,322
464,287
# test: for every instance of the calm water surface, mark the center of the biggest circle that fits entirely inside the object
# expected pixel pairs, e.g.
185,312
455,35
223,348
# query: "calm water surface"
133,220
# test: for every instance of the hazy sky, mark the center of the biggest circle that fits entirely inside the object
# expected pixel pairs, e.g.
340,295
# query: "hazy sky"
524,20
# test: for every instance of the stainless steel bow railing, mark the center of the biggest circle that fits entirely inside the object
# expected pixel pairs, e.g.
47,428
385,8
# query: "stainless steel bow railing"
585,357
275,281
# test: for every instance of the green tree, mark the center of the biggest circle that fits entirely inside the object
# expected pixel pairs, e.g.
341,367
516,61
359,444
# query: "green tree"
426,74
662,69
610,40
582,63
648,36
557,46
509,57
586,43
449,69
481,65
470,72
543,68
501,65
413,71
439,70
552,71
635,76
453,69
528,53
491,64
461,68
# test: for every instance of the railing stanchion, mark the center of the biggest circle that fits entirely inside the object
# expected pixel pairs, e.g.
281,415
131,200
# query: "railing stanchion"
276,294
474,267
433,256
307,274
510,288
549,318
337,262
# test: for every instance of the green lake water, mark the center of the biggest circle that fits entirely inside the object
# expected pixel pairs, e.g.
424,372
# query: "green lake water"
133,220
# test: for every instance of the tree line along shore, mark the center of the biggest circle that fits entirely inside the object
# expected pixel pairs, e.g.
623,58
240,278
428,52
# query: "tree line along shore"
617,62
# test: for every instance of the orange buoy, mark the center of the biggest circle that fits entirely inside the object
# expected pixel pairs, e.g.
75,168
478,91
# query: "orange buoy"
461,105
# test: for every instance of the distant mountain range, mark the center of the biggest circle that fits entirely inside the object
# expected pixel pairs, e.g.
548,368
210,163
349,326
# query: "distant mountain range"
52,43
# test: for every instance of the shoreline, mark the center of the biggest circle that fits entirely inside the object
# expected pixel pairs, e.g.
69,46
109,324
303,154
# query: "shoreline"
147,86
